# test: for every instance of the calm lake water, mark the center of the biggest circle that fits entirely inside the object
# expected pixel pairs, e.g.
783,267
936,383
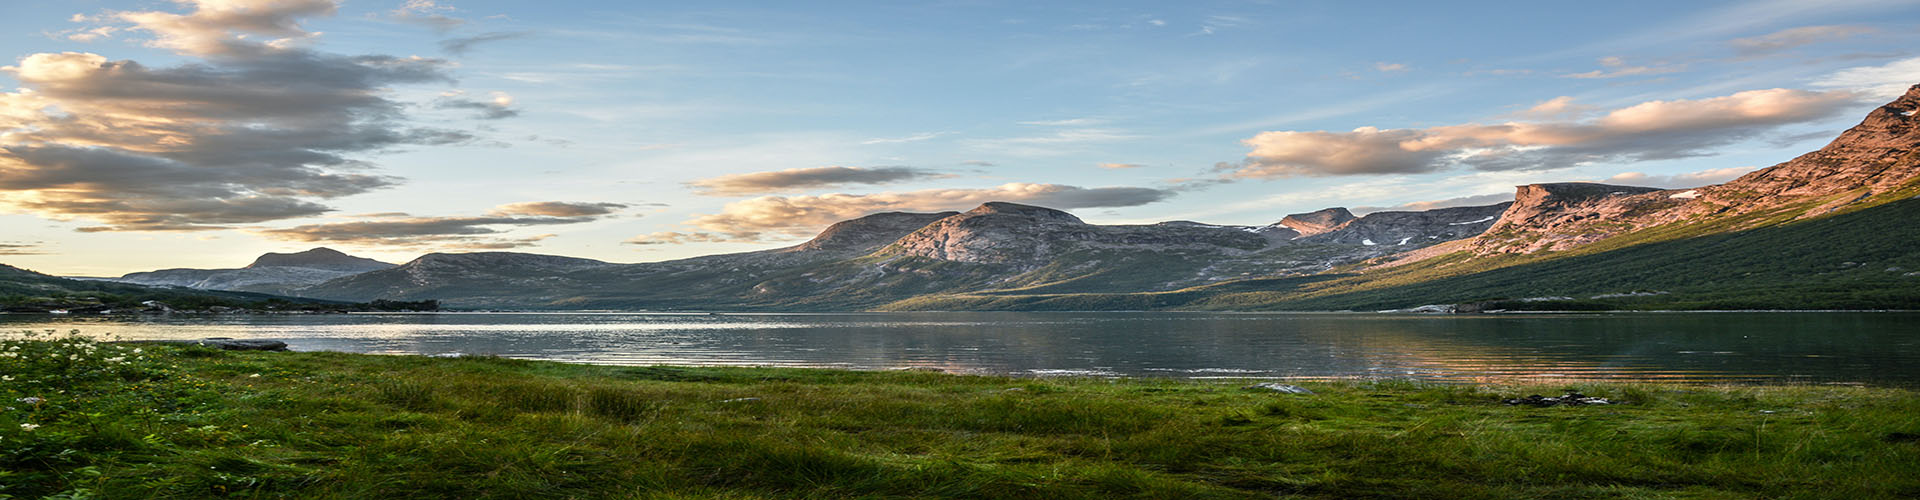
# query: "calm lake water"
1869,348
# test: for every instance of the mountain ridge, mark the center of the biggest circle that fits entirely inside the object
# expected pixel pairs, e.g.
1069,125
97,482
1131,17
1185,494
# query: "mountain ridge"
1003,254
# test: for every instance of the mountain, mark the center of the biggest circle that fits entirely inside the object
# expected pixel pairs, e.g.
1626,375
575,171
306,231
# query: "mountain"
276,273
1832,228
883,258
319,258
477,278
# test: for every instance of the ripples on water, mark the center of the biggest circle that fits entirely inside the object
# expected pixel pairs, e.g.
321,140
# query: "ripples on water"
1877,348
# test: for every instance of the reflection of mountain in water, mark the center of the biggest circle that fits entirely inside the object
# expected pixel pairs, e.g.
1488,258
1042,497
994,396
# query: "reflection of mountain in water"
1677,347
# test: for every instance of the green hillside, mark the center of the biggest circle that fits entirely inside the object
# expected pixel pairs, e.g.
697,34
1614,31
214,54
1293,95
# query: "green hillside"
1864,259
23,291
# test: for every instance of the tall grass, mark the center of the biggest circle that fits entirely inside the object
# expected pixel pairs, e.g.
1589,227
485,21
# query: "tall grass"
196,423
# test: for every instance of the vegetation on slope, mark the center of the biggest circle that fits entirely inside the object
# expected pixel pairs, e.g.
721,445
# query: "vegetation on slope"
85,419
1864,258
27,291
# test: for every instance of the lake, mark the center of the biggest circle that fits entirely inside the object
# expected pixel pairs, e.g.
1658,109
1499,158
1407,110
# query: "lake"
1854,348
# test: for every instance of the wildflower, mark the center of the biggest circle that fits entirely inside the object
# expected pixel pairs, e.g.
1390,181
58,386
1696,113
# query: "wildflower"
256,375
6,378
28,427
32,400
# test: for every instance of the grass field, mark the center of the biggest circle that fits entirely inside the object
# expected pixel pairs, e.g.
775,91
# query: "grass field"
85,419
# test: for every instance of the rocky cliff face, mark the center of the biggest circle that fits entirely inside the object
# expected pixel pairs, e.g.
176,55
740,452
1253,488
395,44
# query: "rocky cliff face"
1878,154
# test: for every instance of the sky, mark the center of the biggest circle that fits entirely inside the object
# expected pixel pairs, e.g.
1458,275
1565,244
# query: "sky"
140,135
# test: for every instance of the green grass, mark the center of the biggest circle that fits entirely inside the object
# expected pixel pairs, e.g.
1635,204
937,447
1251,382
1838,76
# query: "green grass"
175,422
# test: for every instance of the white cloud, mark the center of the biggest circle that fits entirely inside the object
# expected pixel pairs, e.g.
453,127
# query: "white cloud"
1616,67
1676,181
1885,81
249,130
1646,131
898,140
427,13
1558,107
795,179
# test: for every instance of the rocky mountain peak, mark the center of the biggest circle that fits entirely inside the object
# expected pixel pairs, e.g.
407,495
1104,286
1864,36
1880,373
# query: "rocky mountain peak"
318,258
1880,154
1005,208
1317,222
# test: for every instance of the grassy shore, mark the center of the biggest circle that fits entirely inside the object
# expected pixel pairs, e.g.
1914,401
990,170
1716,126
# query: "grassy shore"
92,420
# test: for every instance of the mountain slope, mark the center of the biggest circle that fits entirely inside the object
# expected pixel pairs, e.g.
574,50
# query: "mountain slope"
27,291
1830,229
996,248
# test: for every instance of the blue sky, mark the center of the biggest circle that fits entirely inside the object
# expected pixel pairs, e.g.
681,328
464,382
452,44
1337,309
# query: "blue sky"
637,131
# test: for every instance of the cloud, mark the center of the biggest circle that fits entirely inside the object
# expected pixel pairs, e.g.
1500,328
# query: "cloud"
252,131
1069,122
1651,130
1119,166
1422,206
220,27
427,13
462,45
1882,82
1616,67
1676,181
1387,67
783,217
897,140
557,209
680,238
20,248
1795,37
459,231
1061,141
1558,107
795,179
498,107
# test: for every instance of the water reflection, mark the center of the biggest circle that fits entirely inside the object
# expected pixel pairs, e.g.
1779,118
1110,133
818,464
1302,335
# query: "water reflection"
1874,348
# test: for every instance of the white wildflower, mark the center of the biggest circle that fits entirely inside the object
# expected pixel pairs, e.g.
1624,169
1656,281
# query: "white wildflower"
28,427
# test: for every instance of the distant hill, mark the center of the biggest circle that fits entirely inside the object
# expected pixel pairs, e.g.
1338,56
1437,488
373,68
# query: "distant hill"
24,291
890,257
275,273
